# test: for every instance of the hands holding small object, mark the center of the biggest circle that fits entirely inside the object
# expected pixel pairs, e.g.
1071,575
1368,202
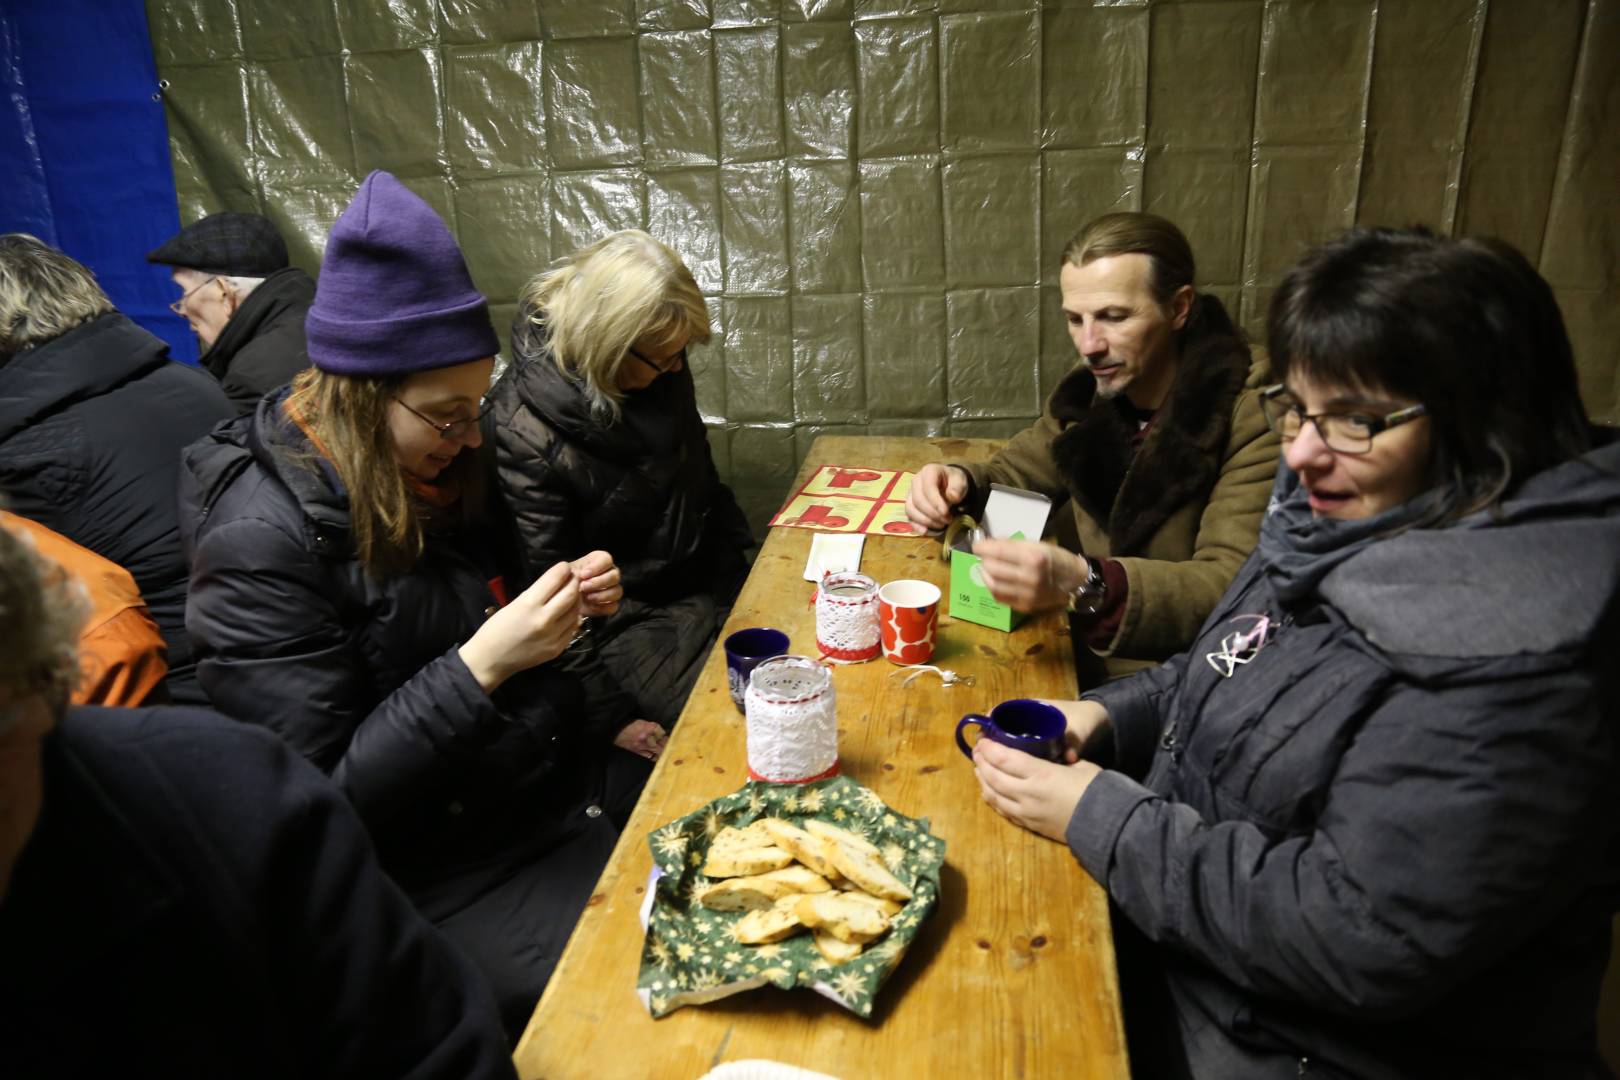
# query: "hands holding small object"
936,491
643,738
535,627
600,588
1029,576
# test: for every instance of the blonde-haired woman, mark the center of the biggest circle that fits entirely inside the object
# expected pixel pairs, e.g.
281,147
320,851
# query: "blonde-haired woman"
349,592
600,445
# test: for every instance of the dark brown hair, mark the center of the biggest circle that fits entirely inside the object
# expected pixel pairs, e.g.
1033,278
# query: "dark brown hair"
1467,327
1134,233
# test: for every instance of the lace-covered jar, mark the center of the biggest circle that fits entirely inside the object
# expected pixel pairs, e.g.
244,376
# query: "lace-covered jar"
847,618
792,721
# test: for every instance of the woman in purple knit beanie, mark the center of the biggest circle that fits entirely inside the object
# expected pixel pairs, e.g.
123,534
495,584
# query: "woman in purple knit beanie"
349,591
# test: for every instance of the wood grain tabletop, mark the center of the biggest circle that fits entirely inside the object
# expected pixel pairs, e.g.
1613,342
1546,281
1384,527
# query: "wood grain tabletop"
1012,975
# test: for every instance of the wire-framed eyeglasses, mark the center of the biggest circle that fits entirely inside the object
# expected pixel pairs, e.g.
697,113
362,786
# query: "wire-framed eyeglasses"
455,429
179,306
669,365
1345,432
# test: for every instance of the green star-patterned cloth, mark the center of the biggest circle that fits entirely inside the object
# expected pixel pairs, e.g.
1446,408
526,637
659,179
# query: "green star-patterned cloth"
690,957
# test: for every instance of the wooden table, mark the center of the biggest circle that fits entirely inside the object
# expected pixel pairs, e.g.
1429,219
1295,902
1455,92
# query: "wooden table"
1012,975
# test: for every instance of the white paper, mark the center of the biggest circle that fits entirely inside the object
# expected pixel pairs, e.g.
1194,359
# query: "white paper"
1010,511
833,553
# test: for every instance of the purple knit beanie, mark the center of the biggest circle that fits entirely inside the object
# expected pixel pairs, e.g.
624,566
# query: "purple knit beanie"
394,295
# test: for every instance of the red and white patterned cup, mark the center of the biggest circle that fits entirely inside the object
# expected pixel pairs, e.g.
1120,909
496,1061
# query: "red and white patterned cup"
908,616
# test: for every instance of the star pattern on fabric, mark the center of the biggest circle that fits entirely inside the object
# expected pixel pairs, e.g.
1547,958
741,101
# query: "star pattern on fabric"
671,841
691,951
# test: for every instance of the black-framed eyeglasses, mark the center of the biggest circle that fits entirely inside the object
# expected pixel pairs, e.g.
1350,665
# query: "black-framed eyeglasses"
1347,433
669,365
179,306
455,429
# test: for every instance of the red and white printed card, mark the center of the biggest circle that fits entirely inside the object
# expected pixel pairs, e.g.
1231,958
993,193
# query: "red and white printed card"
842,498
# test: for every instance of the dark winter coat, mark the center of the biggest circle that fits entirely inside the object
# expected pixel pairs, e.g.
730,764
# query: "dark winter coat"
362,676
196,902
488,809
642,487
1385,843
1179,515
262,346
91,428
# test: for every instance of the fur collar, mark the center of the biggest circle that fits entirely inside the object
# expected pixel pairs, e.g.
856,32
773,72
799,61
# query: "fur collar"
1180,458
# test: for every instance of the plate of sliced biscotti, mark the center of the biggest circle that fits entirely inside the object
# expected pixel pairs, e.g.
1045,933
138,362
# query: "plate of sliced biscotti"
817,885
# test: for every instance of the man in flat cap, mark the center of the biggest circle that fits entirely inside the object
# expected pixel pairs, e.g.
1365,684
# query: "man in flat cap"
244,302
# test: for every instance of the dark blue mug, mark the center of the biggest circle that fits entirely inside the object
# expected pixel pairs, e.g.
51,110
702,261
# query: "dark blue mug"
1023,724
744,651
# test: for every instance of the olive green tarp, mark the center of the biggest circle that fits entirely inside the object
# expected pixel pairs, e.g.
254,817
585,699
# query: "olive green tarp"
874,194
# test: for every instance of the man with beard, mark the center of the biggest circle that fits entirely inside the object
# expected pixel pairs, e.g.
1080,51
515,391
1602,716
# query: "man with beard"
1152,448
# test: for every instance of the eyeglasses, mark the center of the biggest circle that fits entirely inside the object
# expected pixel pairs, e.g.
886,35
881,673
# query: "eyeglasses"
179,306
455,429
1346,433
669,365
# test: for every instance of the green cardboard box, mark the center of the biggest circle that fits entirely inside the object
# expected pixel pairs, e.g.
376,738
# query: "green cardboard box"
1010,513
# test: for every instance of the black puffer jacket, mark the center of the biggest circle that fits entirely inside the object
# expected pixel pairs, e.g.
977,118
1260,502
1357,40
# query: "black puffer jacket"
1385,844
362,676
262,347
91,428
197,903
642,487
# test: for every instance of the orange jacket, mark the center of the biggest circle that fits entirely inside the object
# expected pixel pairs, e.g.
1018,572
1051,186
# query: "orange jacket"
120,649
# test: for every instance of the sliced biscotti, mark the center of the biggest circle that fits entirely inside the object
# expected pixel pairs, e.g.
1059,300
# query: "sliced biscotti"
767,925
805,847
844,919
732,838
746,861
867,871
844,836
779,878
888,907
762,890
835,951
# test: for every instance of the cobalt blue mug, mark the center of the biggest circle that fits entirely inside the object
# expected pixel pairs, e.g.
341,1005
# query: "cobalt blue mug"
1023,724
744,651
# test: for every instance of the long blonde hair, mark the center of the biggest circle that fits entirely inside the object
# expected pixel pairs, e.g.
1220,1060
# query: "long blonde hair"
348,416
604,298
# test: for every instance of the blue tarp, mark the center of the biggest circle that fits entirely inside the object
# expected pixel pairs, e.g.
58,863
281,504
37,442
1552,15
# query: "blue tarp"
84,148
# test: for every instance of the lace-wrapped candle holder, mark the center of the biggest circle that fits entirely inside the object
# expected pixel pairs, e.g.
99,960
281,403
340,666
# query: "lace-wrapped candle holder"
847,618
792,721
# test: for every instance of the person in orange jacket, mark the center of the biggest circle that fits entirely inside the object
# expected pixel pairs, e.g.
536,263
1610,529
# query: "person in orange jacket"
120,650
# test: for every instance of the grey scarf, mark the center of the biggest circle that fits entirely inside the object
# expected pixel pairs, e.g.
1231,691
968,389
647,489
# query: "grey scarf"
1298,549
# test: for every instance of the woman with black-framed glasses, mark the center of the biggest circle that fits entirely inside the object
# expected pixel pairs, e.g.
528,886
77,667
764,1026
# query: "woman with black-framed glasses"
353,590
600,444
1367,825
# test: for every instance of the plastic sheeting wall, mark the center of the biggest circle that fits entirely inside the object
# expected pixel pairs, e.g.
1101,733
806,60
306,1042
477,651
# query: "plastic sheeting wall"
874,193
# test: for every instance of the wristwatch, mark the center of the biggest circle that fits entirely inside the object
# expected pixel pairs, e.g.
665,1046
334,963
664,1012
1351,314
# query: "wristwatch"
1088,598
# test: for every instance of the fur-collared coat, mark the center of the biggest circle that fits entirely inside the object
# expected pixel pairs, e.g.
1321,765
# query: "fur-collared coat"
1182,515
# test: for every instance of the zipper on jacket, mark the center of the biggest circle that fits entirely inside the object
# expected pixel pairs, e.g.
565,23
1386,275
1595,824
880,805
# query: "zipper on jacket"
1168,742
